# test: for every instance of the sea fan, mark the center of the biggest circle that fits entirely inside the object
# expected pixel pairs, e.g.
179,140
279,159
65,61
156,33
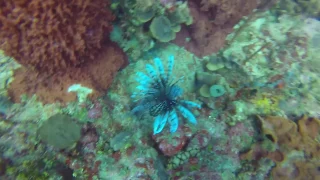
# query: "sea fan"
160,96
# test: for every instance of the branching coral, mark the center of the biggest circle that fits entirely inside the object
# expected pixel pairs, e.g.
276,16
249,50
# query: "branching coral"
53,34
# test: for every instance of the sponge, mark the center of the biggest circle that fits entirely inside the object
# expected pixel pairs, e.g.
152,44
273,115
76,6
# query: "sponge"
217,90
161,29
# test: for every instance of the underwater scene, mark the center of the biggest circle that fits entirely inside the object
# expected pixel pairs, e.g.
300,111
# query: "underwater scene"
159,89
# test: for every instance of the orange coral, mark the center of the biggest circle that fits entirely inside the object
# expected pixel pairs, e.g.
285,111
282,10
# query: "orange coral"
281,131
51,88
297,151
257,152
309,127
65,42
297,170
290,137
213,20
53,34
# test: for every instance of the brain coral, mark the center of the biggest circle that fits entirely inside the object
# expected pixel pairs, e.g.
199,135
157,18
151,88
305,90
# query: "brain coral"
53,34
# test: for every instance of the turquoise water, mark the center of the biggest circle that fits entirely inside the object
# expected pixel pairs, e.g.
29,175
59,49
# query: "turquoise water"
159,90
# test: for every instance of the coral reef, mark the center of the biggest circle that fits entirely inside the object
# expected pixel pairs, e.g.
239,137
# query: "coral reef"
60,131
171,144
54,35
141,24
268,69
161,29
224,143
160,96
287,49
59,44
22,154
309,8
294,147
7,67
5,105
213,20
200,140
96,75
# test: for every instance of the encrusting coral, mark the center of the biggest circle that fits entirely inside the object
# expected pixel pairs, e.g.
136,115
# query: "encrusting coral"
293,146
50,35
96,75
141,24
213,20
295,7
226,12
59,43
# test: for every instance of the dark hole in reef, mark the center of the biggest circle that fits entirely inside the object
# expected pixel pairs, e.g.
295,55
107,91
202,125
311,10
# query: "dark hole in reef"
294,117
270,137
65,172
310,119
253,92
145,26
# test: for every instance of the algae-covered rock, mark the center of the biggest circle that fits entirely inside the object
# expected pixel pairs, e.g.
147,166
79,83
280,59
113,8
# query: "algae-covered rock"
214,66
181,15
204,91
120,140
296,7
208,78
145,16
60,131
7,67
5,104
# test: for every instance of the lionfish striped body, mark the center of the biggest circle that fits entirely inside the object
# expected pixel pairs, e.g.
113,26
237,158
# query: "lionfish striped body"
161,97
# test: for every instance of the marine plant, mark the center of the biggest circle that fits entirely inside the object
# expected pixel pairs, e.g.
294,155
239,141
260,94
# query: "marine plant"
160,96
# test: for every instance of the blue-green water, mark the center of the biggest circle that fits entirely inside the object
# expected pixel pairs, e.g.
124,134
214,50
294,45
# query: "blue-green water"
159,90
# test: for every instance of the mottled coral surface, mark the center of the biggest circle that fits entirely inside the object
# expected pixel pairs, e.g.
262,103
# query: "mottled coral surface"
53,34
59,43
50,88
296,147
213,20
